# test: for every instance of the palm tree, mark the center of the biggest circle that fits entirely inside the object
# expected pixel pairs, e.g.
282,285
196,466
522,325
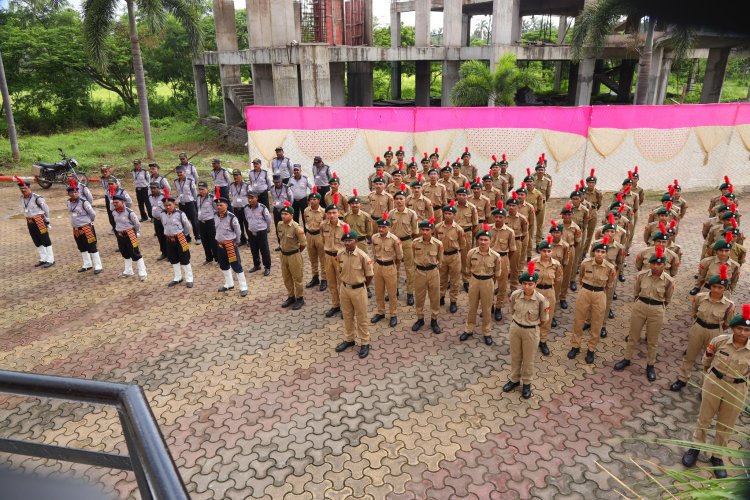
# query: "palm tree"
99,15
8,113
480,87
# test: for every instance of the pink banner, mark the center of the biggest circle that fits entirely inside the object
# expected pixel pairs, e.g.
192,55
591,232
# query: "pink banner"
666,117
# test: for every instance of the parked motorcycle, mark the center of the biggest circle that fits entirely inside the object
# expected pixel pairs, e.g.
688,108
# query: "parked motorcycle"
59,172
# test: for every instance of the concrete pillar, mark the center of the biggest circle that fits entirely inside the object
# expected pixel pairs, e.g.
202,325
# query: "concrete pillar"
285,85
315,80
625,83
359,83
506,22
561,28
259,36
572,81
713,80
584,82
422,86
465,30
201,90
661,86
395,42
297,9
226,39
657,56
596,86
422,23
263,85
368,26
338,84
452,26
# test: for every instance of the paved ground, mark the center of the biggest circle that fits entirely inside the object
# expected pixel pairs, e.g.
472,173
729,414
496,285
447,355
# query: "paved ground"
254,402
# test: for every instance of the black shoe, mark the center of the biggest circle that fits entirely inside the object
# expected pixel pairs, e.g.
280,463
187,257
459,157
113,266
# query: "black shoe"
298,304
39,264
622,364
453,308
409,299
332,311
442,301
573,286
97,271
719,471
364,351
323,285
144,219
314,281
267,271
543,347
603,333
694,291
226,289
173,283
189,284
677,386
344,345
161,257
650,373
466,287
563,304
464,336
369,293
573,352
621,277
377,318
510,385
435,327
589,357
288,302
84,269
690,457
488,340
498,314
614,296
243,242
277,249
417,325
393,322
208,262
611,314
47,265
253,269
553,323
526,391
586,326
243,293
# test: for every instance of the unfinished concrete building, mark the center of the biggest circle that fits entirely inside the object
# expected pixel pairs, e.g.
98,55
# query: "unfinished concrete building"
320,52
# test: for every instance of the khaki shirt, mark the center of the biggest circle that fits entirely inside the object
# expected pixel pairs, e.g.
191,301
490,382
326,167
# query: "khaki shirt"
581,215
332,236
673,214
437,194
529,311
615,251
450,187
632,200
291,236
422,206
466,216
544,185
726,358
562,252
392,189
599,275
460,179
714,312
737,253
342,205
450,236
372,176
314,218
494,195
709,225
469,171
503,239
653,287
380,203
404,223
484,207
362,223
550,273
593,199
710,266
536,199
484,264
681,205
355,267
507,179
671,266
519,224
621,234
427,253
528,211
572,234
387,247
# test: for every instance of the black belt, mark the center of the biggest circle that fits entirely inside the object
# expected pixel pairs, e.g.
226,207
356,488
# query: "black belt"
466,229
427,268
310,231
524,326
437,207
721,376
593,288
544,287
710,326
405,238
503,254
452,252
290,252
384,262
483,277
362,238
332,254
81,228
651,302
519,238
358,285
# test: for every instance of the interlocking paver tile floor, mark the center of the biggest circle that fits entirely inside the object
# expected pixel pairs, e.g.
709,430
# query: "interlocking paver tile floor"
253,401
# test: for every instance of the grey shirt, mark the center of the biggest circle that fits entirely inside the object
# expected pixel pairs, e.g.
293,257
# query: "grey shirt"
206,208
259,181
190,171
34,205
282,167
280,195
161,180
238,194
300,187
220,177
321,175
258,218
85,193
157,205
81,212
141,178
126,220
185,190
122,192
174,223
104,182
227,227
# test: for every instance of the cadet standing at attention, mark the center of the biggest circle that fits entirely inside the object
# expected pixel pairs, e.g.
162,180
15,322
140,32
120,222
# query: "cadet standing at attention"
227,246
293,243
314,216
550,274
484,268
428,252
177,232
386,248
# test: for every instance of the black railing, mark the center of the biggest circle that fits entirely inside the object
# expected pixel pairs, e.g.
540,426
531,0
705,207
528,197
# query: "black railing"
148,455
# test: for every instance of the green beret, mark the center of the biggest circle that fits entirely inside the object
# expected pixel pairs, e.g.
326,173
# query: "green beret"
666,197
722,244
488,177
429,224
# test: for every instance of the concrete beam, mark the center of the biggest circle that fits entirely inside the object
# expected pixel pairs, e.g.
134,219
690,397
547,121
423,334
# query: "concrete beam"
561,30
201,90
713,80
452,39
653,78
284,29
315,77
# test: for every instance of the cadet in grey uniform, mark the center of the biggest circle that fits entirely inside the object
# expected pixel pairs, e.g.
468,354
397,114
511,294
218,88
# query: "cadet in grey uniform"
206,212
186,193
258,220
156,198
82,217
37,220
177,233
227,242
127,229
141,180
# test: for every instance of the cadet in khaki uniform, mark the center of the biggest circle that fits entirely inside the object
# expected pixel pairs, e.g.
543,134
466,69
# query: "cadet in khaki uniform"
596,276
543,184
505,175
712,312
724,190
466,168
592,197
563,253
529,211
331,230
314,215
537,200
467,219
485,268
738,253
428,252
574,236
653,292
404,226
650,229
380,201
666,202
446,180
411,173
334,197
581,217
386,247
550,273
379,172
490,192
504,243
359,220
529,308
459,178
616,256
293,242
520,226
498,182
421,205
436,193
451,236
660,239
355,269
727,366
679,201
710,265
397,183
481,202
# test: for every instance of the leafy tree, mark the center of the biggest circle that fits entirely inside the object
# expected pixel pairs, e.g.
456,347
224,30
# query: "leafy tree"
479,86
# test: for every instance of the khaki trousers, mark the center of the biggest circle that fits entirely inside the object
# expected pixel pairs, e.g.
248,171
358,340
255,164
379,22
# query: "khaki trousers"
292,269
465,247
539,222
523,347
589,304
450,270
408,262
386,279
652,317
568,275
332,271
529,241
427,283
544,328
590,228
515,266
502,284
316,254
480,292
698,339
579,254
354,310
724,401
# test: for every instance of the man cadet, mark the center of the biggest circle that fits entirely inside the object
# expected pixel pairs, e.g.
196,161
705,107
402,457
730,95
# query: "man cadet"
726,363
281,166
238,190
386,248
573,235
428,252
397,180
520,226
115,188
421,205
331,231
710,265
206,212
260,183
596,276
190,171
538,199
342,205
379,172
156,197
258,221
459,178
361,222
447,181
593,199
580,215
154,175
660,239
529,211
105,173
141,180
355,269
466,168
400,154
712,312
388,157
411,173
300,186
543,184
280,194
723,191
653,292
186,194
451,236
550,274
481,202
498,182
504,243
529,308
678,200
504,174
82,216
321,173
662,214
293,243
314,216
227,246
220,177
468,219
563,253
380,200
127,229
436,193
177,234
490,192
404,226
36,211
484,268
